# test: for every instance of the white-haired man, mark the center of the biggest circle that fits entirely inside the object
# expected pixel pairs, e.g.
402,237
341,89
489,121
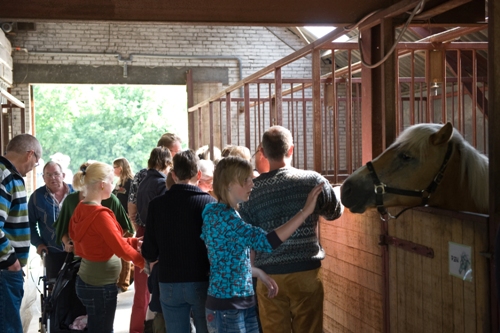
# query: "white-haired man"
22,155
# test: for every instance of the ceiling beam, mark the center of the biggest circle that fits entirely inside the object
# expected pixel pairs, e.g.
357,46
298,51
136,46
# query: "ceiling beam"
241,12
440,9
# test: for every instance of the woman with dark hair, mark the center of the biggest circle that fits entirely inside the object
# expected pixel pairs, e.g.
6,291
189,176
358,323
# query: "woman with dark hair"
159,164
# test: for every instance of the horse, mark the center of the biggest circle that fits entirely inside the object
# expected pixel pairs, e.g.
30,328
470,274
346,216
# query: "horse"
428,164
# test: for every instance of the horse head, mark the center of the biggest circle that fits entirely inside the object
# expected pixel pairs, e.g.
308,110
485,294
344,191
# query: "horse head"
426,165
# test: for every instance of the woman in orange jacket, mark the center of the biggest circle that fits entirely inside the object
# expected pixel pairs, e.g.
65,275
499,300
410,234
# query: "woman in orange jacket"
98,240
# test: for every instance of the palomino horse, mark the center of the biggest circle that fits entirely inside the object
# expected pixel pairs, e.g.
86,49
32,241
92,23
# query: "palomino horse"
428,164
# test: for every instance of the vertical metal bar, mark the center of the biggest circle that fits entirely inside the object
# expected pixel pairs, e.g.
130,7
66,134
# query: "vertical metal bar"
412,89
291,116
429,99
246,90
399,99
278,87
453,104
349,111
191,115
422,107
316,93
260,126
200,127
358,108
228,119
212,131
444,100
221,122
335,124
304,125
460,92
272,117
474,99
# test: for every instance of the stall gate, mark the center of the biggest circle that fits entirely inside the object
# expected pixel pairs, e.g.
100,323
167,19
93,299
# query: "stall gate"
422,295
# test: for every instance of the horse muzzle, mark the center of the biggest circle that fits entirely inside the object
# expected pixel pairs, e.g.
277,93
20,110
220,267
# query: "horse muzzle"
357,193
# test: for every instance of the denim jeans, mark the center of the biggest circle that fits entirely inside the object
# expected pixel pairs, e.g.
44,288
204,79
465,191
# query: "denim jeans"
232,321
11,295
100,302
181,300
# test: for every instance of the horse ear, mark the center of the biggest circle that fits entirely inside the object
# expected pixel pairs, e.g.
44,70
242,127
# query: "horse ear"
443,135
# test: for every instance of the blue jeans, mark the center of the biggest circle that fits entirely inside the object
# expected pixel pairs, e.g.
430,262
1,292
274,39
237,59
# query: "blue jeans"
232,321
181,300
11,295
100,302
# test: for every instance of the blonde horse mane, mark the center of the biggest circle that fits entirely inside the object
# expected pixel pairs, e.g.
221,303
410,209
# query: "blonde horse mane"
473,164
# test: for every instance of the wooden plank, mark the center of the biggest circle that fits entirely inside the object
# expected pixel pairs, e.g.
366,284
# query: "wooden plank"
470,313
354,273
366,223
458,285
343,322
393,278
481,278
366,260
417,233
432,316
403,286
447,279
361,241
349,297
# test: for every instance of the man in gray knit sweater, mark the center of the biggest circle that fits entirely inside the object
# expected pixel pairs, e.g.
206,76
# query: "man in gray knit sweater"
276,197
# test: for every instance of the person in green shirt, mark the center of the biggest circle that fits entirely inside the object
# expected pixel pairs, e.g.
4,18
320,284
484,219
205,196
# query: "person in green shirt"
69,204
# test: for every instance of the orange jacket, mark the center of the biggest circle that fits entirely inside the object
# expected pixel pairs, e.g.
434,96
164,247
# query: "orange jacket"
97,235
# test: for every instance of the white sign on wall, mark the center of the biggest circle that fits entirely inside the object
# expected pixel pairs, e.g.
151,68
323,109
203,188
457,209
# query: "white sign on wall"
460,259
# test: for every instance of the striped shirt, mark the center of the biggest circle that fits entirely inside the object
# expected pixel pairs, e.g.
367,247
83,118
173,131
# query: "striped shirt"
14,222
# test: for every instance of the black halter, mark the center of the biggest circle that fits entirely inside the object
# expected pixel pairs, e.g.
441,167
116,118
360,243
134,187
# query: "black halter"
381,188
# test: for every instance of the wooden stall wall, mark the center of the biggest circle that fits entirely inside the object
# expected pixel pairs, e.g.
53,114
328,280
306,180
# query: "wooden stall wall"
352,273
424,297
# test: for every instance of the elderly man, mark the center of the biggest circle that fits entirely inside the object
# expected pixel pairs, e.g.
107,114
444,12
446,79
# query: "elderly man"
276,197
22,155
43,209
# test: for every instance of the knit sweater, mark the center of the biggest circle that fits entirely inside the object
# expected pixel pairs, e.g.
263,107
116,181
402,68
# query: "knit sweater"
173,234
14,222
276,197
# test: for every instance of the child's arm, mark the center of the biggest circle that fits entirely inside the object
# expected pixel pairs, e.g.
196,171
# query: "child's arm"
272,286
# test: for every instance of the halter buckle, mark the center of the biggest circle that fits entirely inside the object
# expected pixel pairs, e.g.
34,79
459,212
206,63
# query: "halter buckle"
380,188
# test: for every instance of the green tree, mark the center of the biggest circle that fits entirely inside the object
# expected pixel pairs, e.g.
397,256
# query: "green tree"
106,122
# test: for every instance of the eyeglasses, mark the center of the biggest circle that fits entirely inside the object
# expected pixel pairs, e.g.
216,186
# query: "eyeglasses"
36,156
55,175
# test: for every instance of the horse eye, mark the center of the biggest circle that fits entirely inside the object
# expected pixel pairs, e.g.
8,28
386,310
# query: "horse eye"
404,157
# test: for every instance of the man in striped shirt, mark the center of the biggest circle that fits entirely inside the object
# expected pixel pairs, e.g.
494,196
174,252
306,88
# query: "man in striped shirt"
22,155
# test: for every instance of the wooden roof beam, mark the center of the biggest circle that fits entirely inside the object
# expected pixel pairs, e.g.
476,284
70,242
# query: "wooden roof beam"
440,9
